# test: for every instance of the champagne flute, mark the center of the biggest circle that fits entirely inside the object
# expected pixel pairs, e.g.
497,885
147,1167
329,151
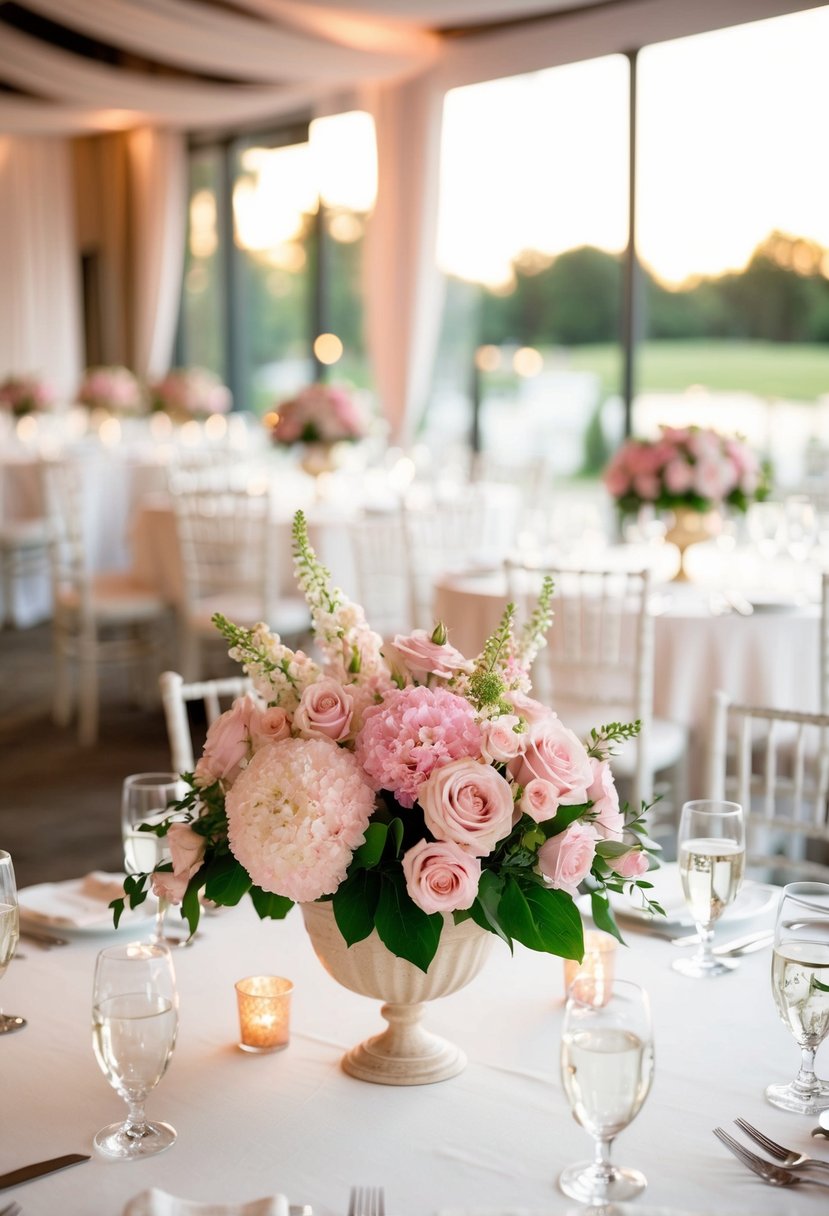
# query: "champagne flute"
146,800
134,1025
9,933
800,983
606,1070
712,857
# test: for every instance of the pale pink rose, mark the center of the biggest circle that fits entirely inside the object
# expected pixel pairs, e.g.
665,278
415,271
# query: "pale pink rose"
609,821
630,865
679,476
421,656
565,860
705,445
268,726
617,481
324,712
713,478
539,800
227,743
469,803
441,876
646,486
501,741
171,887
186,849
530,710
554,754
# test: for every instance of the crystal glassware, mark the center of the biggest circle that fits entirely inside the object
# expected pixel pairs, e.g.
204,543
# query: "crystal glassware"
800,983
146,800
712,854
606,1070
9,932
134,1025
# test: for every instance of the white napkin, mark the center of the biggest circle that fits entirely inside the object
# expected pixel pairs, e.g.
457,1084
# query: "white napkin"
158,1203
615,1209
79,903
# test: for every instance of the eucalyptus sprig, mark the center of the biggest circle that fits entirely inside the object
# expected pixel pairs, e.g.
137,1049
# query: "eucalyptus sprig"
602,741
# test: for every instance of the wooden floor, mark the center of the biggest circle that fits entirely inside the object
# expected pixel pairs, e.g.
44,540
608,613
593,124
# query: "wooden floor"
60,802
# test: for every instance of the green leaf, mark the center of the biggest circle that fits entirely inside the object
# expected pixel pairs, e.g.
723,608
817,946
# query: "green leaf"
406,930
367,856
612,848
396,832
117,906
814,982
602,914
226,881
542,918
190,906
355,904
564,816
487,903
268,905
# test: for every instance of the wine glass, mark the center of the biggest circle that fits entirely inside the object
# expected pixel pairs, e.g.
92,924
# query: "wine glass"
712,855
146,799
800,983
9,932
799,527
606,1070
134,1025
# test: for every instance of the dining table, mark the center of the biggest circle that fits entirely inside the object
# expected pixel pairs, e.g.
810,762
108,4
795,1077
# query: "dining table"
491,1141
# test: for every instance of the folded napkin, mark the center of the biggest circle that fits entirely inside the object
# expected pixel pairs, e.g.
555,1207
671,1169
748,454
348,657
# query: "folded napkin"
614,1209
79,903
158,1203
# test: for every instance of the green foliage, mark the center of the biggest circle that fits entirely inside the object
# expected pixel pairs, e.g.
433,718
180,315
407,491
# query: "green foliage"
486,684
604,741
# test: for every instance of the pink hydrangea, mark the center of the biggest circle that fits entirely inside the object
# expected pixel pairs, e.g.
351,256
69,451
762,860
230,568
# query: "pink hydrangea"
296,814
411,733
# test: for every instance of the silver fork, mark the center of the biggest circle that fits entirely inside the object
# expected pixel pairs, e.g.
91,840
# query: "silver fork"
363,1201
786,1156
774,1175
12,1209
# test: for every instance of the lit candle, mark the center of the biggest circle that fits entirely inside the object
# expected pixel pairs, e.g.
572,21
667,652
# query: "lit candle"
595,970
264,1012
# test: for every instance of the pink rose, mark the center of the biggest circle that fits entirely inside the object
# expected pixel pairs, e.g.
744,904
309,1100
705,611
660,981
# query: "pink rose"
422,657
227,743
171,887
186,848
469,803
679,476
441,876
268,726
530,710
566,859
646,486
609,821
632,864
713,479
539,800
617,481
501,741
324,711
554,754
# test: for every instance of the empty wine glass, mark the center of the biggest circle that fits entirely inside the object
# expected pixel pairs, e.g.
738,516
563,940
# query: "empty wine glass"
146,800
712,858
765,525
9,932
134,1026
800,983
799,527
606,1070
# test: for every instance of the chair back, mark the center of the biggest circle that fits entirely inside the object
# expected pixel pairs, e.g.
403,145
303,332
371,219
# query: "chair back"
775,763
824,644
176,696
378,548
65,495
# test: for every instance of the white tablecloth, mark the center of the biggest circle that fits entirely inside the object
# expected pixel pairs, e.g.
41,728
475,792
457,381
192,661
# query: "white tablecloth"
492,1139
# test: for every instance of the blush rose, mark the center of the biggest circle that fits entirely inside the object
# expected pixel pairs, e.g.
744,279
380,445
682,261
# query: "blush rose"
421,656
554,754
633,864
441,876
566,858
469,803
324,711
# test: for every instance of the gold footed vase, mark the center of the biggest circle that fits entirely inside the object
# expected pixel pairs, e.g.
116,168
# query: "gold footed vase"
405,1053
689,528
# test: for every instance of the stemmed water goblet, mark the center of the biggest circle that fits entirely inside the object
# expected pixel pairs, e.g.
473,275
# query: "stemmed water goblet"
146,801
134,1026
9,933
606,1070
712,854
800,983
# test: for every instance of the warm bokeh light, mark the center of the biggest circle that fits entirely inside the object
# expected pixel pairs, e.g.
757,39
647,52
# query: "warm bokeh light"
328,348
215,426
161,425
109,432
276,190
344,158
527,361
488,358
203,234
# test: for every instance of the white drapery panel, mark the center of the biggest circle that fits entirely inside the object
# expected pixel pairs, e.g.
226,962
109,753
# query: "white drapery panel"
404,289
158,214
40,323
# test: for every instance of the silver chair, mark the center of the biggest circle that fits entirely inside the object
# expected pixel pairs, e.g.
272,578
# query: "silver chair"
176,697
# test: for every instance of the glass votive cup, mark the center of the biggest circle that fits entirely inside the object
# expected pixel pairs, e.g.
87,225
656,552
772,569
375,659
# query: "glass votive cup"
264,1012
595,969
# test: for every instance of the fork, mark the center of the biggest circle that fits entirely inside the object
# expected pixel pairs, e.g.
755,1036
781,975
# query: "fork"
786,1156
774,1175
12,1209
363,1201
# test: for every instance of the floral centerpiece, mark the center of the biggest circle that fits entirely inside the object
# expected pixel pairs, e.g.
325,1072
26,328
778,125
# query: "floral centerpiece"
319,413
25,395
191,392
401,783
114,389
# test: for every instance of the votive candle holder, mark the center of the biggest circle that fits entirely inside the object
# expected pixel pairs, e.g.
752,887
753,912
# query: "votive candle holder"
264,1012
596,968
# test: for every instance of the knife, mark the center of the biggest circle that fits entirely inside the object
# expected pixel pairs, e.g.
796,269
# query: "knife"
27,1172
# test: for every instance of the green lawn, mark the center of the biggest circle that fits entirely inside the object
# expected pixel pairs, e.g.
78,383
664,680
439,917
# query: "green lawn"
767,369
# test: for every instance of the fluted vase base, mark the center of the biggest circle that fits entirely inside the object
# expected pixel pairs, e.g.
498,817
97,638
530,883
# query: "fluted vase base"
405,1053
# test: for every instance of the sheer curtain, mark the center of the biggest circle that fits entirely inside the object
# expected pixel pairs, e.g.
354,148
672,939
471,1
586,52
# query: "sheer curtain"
40,311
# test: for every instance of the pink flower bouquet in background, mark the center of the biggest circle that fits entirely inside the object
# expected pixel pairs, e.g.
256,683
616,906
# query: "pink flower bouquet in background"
320,413
401,782
191,392
25,395
115,389
693,467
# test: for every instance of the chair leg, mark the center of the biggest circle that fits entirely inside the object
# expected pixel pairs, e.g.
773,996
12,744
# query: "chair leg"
7,590
87,697
191,659
62,694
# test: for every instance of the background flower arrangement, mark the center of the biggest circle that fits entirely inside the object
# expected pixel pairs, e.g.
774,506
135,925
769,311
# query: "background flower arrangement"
319,413
402,784
693,467
114,388
191,392
25,395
